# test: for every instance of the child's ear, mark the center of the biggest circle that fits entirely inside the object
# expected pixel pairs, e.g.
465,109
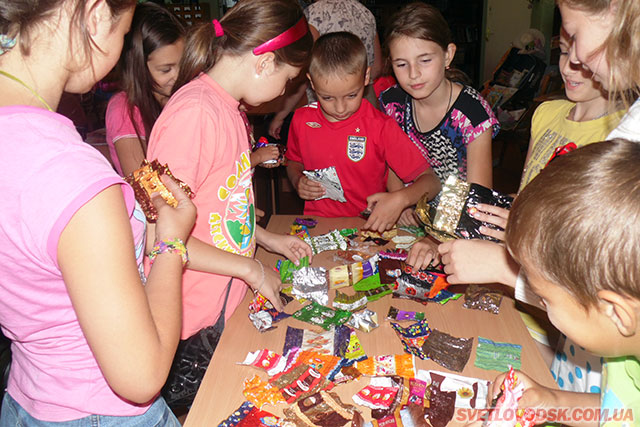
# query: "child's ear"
367,76
622,310
266,64
449,54
311,82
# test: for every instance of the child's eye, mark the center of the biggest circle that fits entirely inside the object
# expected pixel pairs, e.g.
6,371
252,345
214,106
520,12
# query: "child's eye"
425,61
326,98
353,95
399,65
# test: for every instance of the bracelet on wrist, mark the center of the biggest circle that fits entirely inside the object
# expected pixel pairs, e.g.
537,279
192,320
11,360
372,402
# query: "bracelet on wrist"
170,246
259,288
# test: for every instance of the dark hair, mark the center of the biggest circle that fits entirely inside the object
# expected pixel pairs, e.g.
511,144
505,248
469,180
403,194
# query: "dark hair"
246,25
578,222
20,17
152,27
337,53
423,21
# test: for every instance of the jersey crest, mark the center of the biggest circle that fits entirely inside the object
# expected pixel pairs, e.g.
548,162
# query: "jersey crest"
356,147
313,125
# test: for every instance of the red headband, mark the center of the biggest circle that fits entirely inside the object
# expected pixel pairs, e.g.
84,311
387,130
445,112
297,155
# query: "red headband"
292,35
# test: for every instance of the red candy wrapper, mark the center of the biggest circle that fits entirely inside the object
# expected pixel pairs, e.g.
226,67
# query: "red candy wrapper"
506,412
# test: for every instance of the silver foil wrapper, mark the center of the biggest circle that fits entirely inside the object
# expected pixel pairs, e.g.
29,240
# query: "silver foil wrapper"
311,283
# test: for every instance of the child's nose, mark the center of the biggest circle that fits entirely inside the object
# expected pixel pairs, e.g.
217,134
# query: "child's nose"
414,72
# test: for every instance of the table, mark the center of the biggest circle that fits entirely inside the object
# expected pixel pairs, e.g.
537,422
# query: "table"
221,391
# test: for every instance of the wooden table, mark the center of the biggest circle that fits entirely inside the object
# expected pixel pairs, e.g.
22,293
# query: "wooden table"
221,390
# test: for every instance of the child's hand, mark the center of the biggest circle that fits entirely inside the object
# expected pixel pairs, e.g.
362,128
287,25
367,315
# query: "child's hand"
408,217
385,209
423,253
267,285
262,154
292,247
535,396
493,215
475,261
174,223
308,189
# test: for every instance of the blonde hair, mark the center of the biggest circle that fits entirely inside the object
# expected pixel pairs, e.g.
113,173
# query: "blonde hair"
338,53
622,47
578,222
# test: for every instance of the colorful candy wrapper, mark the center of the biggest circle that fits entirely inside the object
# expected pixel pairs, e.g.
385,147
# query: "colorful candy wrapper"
299,230
368,283
261,393
330,241
265,359
323,363
307,222
350,256
441,405
346,275
348,232
322,316
264,142
262,320
322,409
497,356
247,415
345,374
506,412
328,178
409,416
397,314
481,298
471,393
286,268
448,351
397,254
350,302
420,285
342,342
300,381
402,365
310,283
404,242
413,229
390,270
413,337
365,320
379,394
401,399
450,214
387,235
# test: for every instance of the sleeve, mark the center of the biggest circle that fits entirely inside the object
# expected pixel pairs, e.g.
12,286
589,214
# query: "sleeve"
293,139
185,137
629,126
480,116
118,122
402,156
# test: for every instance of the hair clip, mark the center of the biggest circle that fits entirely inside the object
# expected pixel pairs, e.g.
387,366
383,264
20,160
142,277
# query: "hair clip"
6,43
292,35
218,27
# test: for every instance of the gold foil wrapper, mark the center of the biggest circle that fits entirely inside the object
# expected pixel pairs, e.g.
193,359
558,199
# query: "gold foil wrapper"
441,222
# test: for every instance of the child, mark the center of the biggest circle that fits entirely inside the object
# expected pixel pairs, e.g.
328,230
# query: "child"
148,70
574,230
249,55
450,123
90,343
348,133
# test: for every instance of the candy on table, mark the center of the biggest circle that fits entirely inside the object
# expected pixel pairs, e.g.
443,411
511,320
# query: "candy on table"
402,365
401,399
481,298
505,412
334,342
322,316
330,241
448,351
321,409
287,268
379,394
350,302
368,283
260,392
350,256
262,320
248,415
413,229
328,178
377,240
299,230
262,313
310,283
397,254
470,392
397,314
413,337
377,293
348,232
299,382
365,320
307,222
404,242
420,284
408,416
497,356
265,359
389,270
387,235
441,405
345,374
323,363
346,275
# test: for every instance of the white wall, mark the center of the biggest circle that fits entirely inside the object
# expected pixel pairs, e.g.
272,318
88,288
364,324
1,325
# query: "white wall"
505,21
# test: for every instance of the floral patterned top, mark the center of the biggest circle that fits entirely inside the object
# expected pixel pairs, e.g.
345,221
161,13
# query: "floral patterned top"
445,146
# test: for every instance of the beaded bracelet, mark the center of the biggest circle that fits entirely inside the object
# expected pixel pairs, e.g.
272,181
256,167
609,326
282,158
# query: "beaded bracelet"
256,291
171,246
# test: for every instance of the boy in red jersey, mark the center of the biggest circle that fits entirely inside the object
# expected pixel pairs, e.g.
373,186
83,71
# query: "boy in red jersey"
348,133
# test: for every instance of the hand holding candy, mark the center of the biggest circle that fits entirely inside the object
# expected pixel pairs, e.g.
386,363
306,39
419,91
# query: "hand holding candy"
477,261
263,154
423,253
308,189
385,210
176,222
493,215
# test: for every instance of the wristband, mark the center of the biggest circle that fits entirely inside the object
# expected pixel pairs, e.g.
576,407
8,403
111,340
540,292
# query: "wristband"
255,291
170,246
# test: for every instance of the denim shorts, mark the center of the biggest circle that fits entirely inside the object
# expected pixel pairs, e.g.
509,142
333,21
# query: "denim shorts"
158,415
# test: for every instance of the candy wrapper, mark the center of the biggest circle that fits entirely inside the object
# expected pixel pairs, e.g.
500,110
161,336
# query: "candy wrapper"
497,356
299,382
261,393
286,268
323,363
350,302
421,285
450,214
471,393
351,256
322,316
377,293
413,337
506,412
264,142
247,415
365,320
404,242
379,394
328,178
409,416
262,313
346,275
301,231
413,230
322,409
386,235
330,241
396,314
401,399
307,222
441,405
265,359
448,351
311,283
481,298
402,365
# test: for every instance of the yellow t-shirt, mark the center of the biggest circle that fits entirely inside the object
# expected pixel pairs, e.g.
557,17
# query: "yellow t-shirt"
551,129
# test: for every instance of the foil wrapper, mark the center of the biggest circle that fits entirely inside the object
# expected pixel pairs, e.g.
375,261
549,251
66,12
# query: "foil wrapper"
365,321
330,241
328,178
450,214
350,302
311,283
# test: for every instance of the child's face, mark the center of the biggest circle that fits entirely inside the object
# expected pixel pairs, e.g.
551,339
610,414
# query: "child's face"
590,328
419,65
164,65
578,83
339,96
588,32
270,84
